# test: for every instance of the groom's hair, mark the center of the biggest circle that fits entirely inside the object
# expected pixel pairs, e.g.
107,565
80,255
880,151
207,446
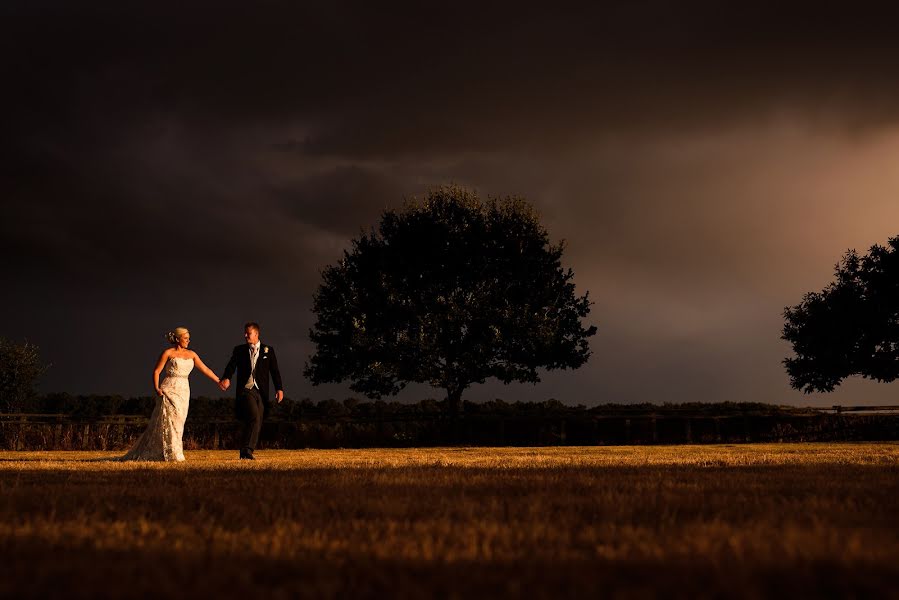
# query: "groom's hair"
252,324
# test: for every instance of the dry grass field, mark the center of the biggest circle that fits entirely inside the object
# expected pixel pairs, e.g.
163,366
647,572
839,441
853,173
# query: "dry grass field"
676,521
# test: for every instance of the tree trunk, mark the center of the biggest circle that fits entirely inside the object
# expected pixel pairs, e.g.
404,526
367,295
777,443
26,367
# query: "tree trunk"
454,401
454,406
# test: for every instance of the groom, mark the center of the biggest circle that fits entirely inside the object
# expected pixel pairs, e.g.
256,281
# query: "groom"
254,362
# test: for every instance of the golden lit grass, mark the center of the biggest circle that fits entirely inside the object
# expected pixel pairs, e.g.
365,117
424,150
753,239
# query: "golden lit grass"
744,520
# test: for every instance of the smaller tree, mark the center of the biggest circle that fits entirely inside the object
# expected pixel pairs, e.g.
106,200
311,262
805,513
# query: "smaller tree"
849,328
20,367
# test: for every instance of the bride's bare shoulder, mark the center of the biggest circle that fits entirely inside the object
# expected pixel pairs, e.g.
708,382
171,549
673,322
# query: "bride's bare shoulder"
166,354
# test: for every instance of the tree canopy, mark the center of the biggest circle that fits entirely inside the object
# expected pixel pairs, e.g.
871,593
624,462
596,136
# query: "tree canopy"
448,291
20,367
849,328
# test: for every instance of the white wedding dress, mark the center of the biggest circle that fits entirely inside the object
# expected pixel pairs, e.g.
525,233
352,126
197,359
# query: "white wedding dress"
162,438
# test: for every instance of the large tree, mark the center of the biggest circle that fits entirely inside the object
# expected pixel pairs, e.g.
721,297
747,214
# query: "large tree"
849,328
20,367
448,291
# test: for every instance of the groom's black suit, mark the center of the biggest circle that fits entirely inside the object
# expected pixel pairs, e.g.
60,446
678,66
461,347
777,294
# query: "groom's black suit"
252,406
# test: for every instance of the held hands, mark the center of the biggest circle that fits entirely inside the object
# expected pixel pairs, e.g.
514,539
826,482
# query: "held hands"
224,384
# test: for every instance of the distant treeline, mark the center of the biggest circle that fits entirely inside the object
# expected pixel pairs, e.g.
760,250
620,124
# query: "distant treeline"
66,422
83,407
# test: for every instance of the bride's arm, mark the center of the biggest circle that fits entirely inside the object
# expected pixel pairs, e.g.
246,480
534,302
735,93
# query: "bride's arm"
159,365
204,369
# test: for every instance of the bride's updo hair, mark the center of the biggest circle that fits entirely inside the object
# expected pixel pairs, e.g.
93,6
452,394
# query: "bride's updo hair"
174,336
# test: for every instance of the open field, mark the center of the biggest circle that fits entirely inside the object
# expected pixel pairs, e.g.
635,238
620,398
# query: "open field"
683,521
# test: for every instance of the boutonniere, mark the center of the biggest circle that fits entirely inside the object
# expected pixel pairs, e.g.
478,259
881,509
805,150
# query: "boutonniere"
265,350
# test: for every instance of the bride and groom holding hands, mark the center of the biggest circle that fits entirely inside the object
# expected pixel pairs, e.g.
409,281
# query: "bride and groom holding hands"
251,364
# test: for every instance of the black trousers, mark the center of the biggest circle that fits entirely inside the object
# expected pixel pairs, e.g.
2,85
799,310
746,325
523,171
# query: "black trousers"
250,410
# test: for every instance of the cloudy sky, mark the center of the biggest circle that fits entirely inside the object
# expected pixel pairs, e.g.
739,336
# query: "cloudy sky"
166,164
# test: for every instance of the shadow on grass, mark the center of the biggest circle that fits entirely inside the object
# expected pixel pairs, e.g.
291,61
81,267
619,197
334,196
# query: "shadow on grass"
80,572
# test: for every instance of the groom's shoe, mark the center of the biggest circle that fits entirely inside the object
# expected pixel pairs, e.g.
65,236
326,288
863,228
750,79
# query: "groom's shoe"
247,455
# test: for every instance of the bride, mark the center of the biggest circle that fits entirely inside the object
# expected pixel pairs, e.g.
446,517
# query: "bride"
162,438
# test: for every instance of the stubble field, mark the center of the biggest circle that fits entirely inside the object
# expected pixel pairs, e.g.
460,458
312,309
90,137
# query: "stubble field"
679,521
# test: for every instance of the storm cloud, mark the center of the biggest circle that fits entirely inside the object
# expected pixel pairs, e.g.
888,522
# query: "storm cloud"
200,164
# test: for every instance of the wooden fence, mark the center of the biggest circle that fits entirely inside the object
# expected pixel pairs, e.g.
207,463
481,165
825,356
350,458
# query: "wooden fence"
882,409
64,432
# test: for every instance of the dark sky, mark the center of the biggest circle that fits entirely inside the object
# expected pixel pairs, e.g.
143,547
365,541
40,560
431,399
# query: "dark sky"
198,163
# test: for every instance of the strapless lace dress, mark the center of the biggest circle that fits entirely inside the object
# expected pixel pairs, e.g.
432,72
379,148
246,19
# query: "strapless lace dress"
162,438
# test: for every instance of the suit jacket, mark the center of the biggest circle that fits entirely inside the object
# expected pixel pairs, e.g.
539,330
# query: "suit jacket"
266,365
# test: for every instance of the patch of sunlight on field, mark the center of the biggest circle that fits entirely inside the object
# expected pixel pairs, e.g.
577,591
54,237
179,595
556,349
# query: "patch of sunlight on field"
704,521
729,455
